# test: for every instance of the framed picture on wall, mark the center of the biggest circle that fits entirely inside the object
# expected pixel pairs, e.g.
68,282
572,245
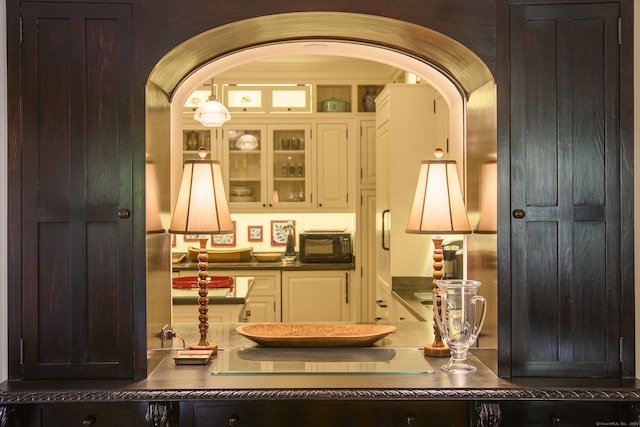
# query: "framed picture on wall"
254,233
279,232
228,239
190,237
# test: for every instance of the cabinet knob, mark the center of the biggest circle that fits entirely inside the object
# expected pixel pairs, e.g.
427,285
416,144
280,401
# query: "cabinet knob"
518,213
89,421
124,213
555,420
411,420
234,422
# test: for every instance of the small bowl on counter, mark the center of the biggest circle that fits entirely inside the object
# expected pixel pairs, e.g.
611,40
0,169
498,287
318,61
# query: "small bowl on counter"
267,256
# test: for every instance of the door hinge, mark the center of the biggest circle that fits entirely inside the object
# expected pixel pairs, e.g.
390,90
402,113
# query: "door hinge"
619,30
21,351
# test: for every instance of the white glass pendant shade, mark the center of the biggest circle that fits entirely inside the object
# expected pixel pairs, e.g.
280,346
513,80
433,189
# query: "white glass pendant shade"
212,113
247,142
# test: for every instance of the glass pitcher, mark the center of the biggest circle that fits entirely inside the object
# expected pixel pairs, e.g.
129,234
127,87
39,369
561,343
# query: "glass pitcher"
461,323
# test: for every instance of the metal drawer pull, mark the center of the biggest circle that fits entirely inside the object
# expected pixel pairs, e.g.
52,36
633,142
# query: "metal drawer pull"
89,421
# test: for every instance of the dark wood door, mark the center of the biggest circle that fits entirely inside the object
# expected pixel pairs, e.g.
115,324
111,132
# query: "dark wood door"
565,190
76,87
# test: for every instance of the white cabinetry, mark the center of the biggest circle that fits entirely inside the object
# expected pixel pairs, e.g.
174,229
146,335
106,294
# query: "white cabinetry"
263,304
367,152
316,296
218,313
263,301
406,131
267,166
367,252
332,166
383,305
290,167
400,313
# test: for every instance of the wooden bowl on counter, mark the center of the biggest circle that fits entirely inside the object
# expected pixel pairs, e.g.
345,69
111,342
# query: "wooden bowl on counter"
223,255
267,256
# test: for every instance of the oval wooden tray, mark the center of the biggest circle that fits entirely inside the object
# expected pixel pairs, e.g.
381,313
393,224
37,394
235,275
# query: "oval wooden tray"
314,335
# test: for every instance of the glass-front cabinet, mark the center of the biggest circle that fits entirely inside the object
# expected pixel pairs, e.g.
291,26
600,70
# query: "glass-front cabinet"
268,166
245,153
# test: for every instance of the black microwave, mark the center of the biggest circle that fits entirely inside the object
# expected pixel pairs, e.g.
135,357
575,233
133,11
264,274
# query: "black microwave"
326,247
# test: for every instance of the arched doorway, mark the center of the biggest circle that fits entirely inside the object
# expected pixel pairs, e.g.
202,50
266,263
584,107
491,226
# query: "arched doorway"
450,66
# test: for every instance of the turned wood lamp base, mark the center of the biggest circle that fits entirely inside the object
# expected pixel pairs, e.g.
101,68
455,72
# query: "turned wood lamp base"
438,348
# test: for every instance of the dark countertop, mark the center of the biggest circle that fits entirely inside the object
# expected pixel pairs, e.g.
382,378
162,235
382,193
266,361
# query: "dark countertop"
234,295
257,265
197,382
415,294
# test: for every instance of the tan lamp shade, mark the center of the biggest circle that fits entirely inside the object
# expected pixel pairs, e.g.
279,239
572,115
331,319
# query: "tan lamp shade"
438,207
202,206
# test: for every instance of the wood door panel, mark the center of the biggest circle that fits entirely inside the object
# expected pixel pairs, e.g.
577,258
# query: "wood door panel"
566,177
77,313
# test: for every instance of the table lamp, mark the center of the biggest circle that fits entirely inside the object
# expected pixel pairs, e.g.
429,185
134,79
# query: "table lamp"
202,209
438,208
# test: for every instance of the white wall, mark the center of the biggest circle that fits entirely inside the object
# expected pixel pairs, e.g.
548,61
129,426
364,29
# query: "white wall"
3,194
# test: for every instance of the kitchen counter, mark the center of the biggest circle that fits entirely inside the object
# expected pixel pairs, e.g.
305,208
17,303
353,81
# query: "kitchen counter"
235,295
213,394
415,294
254,264
197,382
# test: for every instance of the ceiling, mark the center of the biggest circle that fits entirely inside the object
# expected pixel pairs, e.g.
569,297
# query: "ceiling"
310,67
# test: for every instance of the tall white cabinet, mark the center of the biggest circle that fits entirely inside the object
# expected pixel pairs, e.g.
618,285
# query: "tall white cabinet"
408,129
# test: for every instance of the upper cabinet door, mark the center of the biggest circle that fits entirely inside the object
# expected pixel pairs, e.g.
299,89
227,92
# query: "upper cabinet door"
333,166
565,190
77,311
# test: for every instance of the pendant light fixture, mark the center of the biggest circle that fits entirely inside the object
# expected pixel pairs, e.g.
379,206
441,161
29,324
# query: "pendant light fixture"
212,113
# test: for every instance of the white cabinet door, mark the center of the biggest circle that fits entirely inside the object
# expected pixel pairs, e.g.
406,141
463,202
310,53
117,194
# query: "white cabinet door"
332,160
405,136
382,197
245,152
264,299
267,166
367,152
367,253
315,296
260,308
289,166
